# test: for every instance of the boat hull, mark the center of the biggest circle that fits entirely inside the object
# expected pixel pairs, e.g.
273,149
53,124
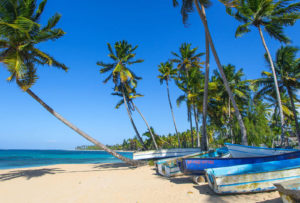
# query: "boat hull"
196,166
170,168
237,150
164,153
249,178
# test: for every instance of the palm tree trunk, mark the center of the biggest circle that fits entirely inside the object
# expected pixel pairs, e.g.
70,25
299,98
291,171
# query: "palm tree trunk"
80,132
204,143
153,138
171,107
196,123
276,86
295,115
132,122
191,125
236,110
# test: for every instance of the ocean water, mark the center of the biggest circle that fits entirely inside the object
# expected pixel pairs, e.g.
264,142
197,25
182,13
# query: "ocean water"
30,158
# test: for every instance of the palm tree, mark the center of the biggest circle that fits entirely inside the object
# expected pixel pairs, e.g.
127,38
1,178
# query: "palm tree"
121,75
167,72
273,16
188,60
20,35
130,96
287,69
187,7
240,89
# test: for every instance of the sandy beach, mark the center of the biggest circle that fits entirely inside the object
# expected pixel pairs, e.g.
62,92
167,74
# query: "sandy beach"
108,183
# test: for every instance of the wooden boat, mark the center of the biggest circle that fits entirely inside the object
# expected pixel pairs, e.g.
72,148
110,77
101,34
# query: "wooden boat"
237,150
169,167
196,166
164,153
252,177
289,190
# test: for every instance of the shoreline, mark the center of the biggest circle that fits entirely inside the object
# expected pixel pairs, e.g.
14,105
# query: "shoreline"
112,182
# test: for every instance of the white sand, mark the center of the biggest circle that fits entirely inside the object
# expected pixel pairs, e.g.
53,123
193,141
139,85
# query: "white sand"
108,183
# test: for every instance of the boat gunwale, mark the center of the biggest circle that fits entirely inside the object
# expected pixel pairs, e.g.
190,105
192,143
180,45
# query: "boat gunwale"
266,148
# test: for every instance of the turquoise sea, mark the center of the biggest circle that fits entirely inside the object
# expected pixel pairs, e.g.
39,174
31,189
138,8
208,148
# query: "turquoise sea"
29,158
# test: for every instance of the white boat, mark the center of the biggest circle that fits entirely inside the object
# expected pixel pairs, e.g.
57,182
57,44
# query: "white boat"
237,150
164,153
248,178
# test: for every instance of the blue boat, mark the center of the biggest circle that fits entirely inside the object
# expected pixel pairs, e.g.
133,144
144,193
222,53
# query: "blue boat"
169,167
196,166
248,178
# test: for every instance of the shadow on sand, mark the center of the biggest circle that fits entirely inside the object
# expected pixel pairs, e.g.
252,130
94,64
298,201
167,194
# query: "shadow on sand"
34,173
113,166
29,173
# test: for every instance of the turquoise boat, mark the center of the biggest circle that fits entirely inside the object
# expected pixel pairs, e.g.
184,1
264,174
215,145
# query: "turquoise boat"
249,178
170,167
289,190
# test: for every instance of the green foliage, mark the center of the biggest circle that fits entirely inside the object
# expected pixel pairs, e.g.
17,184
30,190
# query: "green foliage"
273,15
20,34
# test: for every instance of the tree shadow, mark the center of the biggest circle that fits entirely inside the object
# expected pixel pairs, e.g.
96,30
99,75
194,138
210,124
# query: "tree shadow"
30,173
115,166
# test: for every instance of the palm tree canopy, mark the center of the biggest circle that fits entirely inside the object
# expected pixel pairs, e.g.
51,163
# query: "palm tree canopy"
187,7
187,58
122,57
20,33
287,68
167,71
273,15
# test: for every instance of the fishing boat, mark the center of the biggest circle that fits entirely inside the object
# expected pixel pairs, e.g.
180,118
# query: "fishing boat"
237,150
164,153
196,166
289,190
249,178
169,167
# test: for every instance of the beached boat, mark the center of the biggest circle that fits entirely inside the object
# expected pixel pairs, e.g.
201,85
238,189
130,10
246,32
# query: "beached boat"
164,153
169,167
196,166
289,190
252,177
237,150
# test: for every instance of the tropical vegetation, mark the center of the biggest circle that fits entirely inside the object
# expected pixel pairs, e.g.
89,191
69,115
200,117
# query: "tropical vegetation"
232,108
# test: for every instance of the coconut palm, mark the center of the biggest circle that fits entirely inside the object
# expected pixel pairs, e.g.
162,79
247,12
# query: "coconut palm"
20,36
287,69
272,16
130,96
188,60
188,7
123,78
239,87
167,73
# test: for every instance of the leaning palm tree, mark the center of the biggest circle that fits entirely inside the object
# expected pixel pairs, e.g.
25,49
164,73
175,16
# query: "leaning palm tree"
167,72
273,16
188,7
287,69
122,77
20,35
130,96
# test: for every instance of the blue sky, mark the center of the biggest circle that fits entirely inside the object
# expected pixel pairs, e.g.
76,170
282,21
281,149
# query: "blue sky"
82,98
